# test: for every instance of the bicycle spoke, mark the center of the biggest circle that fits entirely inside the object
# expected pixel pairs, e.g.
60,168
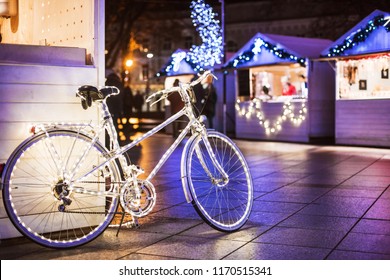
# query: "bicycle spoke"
224,205
39,199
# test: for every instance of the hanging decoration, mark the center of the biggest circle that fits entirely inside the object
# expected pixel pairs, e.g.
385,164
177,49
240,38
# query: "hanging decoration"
272,128
360,35
210,52
255,49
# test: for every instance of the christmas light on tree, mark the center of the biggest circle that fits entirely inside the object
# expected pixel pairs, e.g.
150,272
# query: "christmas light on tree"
210,51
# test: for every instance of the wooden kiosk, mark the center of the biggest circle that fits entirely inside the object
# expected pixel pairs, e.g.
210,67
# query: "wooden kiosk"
280,94
362,62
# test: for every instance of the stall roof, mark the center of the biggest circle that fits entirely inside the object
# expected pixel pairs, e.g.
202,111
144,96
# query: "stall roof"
265,49
177,65
371,35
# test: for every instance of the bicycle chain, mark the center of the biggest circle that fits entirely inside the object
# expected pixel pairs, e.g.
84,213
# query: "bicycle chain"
94,213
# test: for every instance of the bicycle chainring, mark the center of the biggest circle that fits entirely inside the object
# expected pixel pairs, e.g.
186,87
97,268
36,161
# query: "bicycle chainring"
138,200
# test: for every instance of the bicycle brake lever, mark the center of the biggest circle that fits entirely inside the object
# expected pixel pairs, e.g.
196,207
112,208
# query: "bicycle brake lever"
153,96
161,98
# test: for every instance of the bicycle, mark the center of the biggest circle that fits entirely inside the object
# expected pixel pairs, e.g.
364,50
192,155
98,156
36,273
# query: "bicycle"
62,186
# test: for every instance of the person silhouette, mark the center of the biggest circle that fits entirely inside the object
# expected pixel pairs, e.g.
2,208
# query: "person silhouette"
209,100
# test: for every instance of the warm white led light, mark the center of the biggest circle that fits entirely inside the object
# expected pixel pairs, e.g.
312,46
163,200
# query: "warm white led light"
288,113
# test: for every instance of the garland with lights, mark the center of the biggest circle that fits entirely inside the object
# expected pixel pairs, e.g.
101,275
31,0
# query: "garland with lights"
256,47
360,35
210,51
254,108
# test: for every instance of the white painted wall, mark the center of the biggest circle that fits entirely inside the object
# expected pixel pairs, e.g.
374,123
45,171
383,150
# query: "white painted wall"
33,92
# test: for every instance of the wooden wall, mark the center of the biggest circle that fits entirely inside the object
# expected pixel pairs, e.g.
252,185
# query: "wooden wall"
35,88
249,128
363,122
321,86
226,122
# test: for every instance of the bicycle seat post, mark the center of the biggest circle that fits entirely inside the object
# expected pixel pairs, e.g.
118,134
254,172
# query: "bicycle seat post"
106,112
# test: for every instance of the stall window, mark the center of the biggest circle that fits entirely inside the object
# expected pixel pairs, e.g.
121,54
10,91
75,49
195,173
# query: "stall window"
366,78
243,84
278,82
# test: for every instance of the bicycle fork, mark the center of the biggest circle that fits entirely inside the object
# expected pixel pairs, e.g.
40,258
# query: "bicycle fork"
224,179
219,181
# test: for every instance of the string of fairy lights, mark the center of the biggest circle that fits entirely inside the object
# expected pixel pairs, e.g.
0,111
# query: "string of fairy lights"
360,35
256,48
210,52
292,113
208,26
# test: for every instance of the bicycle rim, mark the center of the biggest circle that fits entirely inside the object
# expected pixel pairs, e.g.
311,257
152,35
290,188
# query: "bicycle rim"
226,206
35,177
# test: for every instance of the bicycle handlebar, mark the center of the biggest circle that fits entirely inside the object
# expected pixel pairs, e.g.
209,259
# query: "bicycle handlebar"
164,93
202,77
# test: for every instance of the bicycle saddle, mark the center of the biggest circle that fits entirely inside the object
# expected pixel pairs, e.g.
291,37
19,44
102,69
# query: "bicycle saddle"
89,94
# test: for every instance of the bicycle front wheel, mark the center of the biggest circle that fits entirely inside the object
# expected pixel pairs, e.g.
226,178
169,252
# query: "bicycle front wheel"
45,204
225,206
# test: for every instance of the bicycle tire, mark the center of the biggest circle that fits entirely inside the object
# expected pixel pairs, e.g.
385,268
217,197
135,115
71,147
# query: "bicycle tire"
227,207
32,184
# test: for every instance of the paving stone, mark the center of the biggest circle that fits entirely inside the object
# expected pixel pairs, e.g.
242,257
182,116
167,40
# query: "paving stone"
339,206
189,247
276,207
351,192
380,210
260,251
373,226
341,224
301,237
350,255
366,182
363,242
166,225
267,218
247,233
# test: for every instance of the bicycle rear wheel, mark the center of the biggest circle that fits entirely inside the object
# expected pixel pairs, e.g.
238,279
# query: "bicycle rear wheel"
36,190
224,206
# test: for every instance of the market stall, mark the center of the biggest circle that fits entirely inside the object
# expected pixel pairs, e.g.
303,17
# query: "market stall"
176,68
179,67
362,61
280,93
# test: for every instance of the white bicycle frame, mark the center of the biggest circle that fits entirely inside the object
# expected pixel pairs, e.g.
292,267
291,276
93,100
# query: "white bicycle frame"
195,124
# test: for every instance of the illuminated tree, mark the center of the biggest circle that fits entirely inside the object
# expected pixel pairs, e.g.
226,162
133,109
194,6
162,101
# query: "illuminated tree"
210,51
